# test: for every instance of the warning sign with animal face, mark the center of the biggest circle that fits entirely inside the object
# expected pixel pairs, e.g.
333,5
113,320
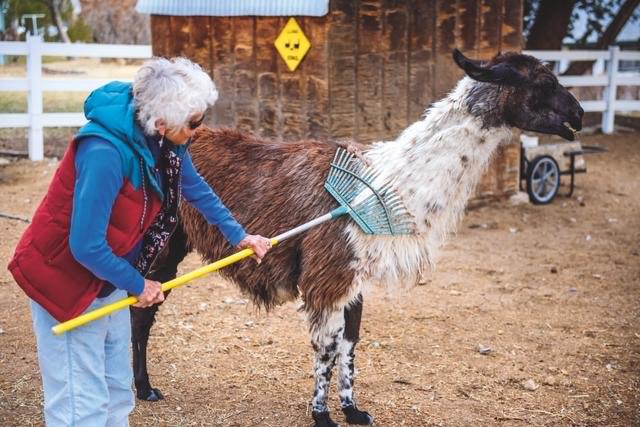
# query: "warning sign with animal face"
292,44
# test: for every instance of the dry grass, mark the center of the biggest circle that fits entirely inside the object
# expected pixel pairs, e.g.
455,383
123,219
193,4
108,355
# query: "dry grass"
77,68
84,68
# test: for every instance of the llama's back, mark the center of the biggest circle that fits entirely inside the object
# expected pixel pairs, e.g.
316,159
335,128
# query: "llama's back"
270,188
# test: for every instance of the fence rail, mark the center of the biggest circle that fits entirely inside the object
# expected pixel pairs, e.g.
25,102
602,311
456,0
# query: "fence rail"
34,49
35,119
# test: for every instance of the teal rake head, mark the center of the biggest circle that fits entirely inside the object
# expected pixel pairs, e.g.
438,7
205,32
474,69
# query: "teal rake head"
369,200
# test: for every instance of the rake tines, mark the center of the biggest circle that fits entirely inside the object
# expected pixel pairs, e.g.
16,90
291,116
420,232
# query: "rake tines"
370,200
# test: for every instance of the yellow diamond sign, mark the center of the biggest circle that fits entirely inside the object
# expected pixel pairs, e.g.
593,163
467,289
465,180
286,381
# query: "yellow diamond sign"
292,44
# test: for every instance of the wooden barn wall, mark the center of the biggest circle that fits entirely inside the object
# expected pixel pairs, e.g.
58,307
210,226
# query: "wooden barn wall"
373,68
256,91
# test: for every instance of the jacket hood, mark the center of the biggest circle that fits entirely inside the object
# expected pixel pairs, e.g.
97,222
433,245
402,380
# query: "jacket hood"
111,112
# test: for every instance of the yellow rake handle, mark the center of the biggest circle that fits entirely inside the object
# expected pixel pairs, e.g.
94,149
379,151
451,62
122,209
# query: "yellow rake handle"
178,281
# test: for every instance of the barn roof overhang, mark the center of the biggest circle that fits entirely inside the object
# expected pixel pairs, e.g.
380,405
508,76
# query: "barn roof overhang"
234,7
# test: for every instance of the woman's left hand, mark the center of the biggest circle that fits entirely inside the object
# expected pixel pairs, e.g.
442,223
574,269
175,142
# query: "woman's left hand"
259,244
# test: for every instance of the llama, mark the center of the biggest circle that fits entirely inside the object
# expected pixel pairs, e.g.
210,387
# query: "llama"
434,166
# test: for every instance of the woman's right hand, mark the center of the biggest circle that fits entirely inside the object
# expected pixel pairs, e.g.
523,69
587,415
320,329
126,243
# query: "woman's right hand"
152,294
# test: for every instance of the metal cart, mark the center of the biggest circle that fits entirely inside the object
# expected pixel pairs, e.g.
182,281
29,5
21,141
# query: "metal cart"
542,165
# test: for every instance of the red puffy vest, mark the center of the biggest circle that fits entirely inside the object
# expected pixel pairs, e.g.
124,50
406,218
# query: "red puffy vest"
43,265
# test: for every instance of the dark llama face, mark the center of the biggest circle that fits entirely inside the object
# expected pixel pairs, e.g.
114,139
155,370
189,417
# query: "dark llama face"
528,94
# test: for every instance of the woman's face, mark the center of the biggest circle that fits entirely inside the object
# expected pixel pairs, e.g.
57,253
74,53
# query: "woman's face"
183,135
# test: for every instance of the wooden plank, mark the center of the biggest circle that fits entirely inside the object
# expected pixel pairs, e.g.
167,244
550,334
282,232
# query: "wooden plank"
268,90
342,32
395,25
507,161
222,64
511,172
369,71
511,28
395,84
490,23
179,27
342,68
342,95
200,42
447,73
160,35
293,121
316,74
468,17
394,94
245,89
369,99
421,67
446,14
503,175
370,27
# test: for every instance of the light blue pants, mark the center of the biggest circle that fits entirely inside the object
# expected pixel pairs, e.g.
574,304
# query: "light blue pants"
86,373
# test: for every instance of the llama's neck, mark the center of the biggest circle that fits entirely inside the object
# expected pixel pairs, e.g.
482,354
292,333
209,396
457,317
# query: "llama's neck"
434,166
436,162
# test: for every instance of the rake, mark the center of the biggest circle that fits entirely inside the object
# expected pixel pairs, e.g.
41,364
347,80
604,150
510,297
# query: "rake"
360,190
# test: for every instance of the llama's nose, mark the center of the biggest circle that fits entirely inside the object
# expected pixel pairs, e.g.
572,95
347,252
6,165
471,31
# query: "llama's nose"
576,120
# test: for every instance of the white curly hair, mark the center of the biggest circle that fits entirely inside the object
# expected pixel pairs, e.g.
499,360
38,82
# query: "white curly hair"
173,90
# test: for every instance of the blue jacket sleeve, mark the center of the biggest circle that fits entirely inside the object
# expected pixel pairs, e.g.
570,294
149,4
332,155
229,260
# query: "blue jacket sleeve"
197,192
99,178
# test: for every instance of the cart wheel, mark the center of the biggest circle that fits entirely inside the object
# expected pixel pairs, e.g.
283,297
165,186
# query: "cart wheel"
543,180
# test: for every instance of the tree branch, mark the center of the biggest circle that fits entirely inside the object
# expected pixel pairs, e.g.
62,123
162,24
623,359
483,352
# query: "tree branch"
608,37
54,6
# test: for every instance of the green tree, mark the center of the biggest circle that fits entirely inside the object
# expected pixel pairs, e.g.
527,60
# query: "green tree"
57,8
57,12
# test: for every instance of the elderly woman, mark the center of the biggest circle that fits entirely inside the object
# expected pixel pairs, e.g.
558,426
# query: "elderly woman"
109,210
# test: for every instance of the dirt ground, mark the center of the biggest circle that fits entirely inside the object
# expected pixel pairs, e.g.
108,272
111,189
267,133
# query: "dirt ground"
553,291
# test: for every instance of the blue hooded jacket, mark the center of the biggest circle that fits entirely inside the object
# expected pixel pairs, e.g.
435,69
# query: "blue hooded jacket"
109,150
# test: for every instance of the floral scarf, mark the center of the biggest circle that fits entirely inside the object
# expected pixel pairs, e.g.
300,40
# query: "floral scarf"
165,222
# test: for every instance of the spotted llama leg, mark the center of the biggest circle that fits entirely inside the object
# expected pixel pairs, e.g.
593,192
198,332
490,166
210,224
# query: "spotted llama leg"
325,338
346,350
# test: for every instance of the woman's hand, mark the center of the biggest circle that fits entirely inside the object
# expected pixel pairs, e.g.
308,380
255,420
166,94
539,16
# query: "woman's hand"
259,244
152,294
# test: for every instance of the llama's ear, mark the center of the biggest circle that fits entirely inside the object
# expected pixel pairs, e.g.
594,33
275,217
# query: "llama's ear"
472,68
499,73
465,63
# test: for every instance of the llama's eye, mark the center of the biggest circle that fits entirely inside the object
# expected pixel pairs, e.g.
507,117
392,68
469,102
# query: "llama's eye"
547,84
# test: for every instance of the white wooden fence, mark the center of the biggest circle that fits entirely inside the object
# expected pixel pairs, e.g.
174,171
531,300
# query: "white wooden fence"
34,48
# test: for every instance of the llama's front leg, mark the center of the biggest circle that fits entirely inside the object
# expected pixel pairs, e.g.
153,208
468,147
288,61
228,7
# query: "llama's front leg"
325,338
165,269
346,354
141,322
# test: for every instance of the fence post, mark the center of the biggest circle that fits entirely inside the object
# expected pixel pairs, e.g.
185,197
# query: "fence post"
610,91
34,99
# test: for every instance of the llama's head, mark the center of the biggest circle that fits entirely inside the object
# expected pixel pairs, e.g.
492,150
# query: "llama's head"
518,90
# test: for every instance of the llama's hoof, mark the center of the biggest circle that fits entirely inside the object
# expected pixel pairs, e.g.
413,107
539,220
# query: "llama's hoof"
355,416
153,396
323,419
